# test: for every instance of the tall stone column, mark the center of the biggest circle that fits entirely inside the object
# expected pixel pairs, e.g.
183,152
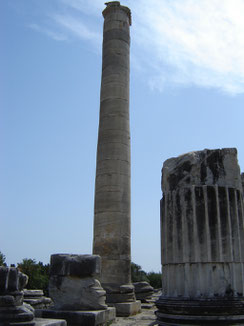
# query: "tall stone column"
202,238
242,180
112,216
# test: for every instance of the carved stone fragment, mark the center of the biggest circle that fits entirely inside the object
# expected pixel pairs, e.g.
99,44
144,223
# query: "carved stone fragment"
72,285
12,310
77,294
143,291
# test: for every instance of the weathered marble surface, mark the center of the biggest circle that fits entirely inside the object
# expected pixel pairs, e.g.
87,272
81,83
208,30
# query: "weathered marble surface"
12,310
72,285
112,212
202,239
143,291
36,299
71,293
77,295
112,231
75,265
242,181
202,168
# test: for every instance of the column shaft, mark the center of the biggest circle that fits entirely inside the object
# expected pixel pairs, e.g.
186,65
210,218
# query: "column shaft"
112,231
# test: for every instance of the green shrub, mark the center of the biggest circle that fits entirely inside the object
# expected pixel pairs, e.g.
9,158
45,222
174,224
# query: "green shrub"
38,274
137,274
2,259
155,279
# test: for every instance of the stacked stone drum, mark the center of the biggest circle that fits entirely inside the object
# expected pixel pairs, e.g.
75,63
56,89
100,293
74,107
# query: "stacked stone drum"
112,213
112,189
202,240
12,310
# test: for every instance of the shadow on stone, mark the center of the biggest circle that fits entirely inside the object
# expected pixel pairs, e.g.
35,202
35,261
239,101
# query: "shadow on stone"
76,293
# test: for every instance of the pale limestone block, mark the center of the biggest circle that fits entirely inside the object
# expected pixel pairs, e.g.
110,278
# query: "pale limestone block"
72,293
113,166
114,123
115,24
114,91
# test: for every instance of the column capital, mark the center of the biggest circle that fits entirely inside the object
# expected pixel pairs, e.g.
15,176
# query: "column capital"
115,5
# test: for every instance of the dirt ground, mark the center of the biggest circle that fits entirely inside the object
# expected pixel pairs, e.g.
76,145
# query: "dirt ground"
145,318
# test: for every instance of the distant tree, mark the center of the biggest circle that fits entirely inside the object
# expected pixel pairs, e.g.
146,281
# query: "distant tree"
2,259
137,274
155,279
38,274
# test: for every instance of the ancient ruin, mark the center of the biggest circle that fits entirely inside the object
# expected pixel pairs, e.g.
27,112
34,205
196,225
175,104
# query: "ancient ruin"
112,230
12,283
202,229
36,299
73,284
143,291
202,240
77,294
13,311
242,180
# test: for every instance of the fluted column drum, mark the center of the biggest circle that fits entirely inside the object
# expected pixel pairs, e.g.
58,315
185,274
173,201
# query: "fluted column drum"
202,238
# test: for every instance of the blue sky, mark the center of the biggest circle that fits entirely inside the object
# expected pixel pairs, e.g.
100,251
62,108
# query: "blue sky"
187,93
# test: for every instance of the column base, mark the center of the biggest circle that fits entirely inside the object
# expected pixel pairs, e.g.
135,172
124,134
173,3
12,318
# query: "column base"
79,318
16,314
177,320
126,309
204,311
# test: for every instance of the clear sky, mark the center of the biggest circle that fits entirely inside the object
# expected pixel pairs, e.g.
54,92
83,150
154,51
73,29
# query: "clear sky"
187,93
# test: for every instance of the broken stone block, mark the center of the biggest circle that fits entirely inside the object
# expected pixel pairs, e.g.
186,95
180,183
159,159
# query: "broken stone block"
202,240
13,311
75,265
72,285
11,297
143,291
76,293
202,168
72,293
